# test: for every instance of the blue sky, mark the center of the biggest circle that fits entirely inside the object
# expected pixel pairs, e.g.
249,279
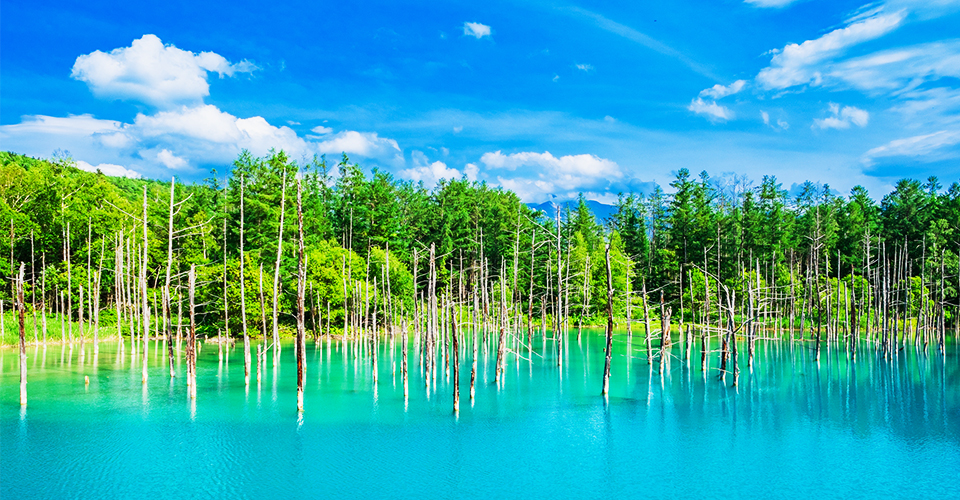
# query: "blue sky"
547,99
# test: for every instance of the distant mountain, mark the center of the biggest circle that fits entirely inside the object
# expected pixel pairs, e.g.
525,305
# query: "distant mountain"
601,211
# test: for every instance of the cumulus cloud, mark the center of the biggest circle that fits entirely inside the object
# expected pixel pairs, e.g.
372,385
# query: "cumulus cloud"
713,111
184,134
842,118
365,144
539,176
799,64
183,139
431,173
153,73
476,30
928,147
108,169
719,91
586,68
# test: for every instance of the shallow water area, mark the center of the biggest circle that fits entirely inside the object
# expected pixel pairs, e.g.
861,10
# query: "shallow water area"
790,428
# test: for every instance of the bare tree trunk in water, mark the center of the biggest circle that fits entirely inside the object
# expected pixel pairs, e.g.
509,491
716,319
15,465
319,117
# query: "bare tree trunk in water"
243,296
473,370
533,251
609,349
166,287
262,353
276,271
403,364
301,291
143,284
586,299
732,342
665,313
192,335
646,324
23,339
456,366
43,301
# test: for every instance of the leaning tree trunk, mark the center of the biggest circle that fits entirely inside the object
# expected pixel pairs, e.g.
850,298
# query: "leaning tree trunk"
609,350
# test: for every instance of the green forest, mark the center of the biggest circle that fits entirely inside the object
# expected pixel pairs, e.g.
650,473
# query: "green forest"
703,254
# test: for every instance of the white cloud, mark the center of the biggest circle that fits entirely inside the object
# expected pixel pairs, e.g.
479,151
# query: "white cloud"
431,173
182,139
364,144
713,111
842,118
209,135
471,170
584,165
476,30
170,160
719,91
586,68
184,134
108,169
82,125
149,71
929,147
556,78
766,117
539,176
799,64
926,9
935,106
901,68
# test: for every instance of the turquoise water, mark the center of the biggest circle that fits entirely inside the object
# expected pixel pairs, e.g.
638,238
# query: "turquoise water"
874,429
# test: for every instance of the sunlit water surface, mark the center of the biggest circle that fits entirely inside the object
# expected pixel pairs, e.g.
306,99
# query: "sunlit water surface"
791,429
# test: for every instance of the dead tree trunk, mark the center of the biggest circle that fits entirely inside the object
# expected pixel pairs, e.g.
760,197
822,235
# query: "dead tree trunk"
301,291
646,324
192,335
665,313
456,365
276,271
243,296
143,285
533,251
586,299
166,286
609,349
23,339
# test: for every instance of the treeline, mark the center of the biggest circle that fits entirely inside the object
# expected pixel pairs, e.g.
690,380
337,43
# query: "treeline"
704,254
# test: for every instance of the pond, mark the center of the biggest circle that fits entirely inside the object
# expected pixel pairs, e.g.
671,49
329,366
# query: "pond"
790,428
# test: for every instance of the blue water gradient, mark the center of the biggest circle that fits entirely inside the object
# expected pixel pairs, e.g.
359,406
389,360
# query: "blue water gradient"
790,429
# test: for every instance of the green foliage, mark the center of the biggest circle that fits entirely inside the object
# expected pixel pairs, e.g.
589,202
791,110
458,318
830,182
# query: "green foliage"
702,230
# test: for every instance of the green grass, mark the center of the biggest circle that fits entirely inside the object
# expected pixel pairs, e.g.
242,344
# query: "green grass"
11,329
